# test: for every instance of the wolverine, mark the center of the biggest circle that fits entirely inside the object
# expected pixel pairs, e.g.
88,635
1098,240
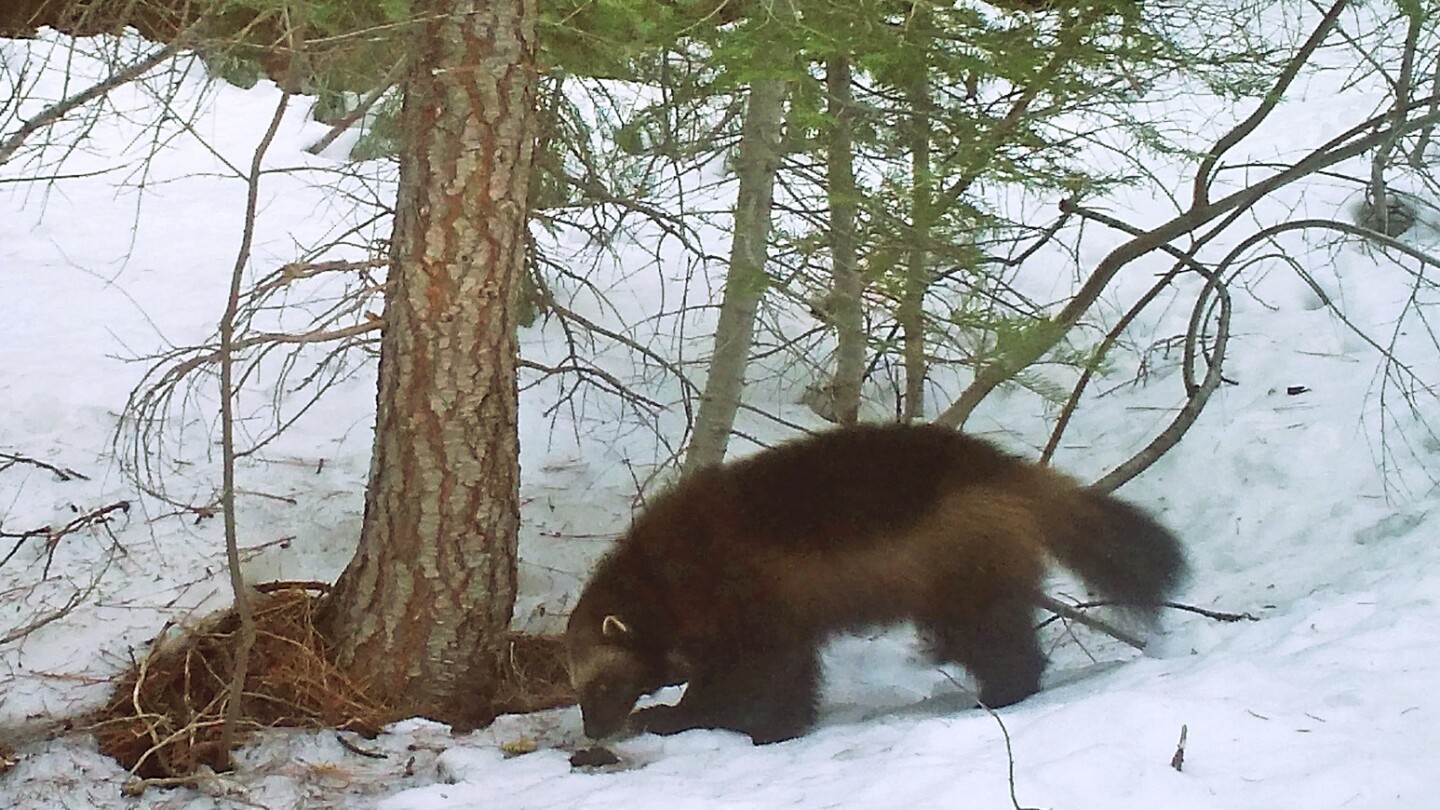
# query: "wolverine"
731,580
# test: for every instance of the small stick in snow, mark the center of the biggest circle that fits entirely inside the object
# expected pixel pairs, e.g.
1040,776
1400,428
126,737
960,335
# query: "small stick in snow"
1004,732
8,460
355,749
1057,607
1178,761
53,536
1217,615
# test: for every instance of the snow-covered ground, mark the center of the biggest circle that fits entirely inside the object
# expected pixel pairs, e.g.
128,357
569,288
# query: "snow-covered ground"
1311,511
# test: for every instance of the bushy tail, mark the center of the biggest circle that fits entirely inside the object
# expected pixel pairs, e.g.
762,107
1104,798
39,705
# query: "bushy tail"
1118,550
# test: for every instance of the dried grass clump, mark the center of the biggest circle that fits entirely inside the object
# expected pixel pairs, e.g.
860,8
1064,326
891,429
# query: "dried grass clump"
533,675
165,717
166,714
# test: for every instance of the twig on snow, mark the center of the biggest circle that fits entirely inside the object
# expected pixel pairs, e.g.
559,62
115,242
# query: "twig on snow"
1004,732
1178,761
8,460
53,536
1074,614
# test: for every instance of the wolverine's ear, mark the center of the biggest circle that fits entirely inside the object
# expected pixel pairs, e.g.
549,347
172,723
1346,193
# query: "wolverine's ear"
613,626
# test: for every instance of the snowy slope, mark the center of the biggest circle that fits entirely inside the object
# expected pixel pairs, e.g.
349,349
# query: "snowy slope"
1314,512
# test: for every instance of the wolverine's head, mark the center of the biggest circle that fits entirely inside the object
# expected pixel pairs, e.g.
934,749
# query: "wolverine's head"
610,668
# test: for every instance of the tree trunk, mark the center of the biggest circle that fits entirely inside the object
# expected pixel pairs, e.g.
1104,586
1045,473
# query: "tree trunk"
756,164
422,610
911,311
844,308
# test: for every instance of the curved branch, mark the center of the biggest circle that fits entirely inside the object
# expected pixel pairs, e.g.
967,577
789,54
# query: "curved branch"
243,606
1352,143
1205,173
1171,436
1201,395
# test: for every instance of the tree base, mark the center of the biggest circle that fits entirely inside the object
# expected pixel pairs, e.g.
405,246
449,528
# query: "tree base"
165,717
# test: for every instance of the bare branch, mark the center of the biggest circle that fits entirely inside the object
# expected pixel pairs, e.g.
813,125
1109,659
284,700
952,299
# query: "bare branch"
53,536
348,120
244,608
1171,436
1198,395
1352,143
1205,174
49,617
63,473
1217,615
54,113
1074,614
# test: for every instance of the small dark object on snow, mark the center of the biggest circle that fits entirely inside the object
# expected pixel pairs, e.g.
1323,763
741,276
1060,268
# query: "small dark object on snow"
593,757
1296,390
1178,761
1392,219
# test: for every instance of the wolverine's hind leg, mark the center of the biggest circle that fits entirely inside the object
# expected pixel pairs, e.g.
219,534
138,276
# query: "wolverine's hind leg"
996,643
980,604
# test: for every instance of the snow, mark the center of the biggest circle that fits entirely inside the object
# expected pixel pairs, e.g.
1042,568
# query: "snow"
1314,512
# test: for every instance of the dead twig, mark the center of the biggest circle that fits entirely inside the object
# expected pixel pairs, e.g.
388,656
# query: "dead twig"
53,536
134,788
1076,614
54,113
1178,761
293,585
63,473
1005,733
348,119
357,750
1217,615
78,596
46,618
1073,613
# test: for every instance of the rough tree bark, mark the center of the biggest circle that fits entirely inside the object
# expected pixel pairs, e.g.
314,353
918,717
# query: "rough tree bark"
757,162
423,608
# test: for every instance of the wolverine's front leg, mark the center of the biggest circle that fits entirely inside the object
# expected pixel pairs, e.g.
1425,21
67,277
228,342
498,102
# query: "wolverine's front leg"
667,719
702,706
768,695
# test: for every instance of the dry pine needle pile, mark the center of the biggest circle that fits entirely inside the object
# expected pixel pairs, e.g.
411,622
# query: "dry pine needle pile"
165,717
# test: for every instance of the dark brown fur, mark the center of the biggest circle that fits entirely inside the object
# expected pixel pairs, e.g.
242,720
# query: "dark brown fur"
732,579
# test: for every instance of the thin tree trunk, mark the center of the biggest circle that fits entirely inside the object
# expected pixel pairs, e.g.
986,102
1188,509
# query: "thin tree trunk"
244,602
911,311
844,305
1421,144
1379,198
422,610
757,162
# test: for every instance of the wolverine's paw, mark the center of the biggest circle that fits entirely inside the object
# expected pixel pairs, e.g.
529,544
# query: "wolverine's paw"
774,734
663,720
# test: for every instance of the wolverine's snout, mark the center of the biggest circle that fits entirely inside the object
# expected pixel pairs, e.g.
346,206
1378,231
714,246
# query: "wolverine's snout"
595,731
601,722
